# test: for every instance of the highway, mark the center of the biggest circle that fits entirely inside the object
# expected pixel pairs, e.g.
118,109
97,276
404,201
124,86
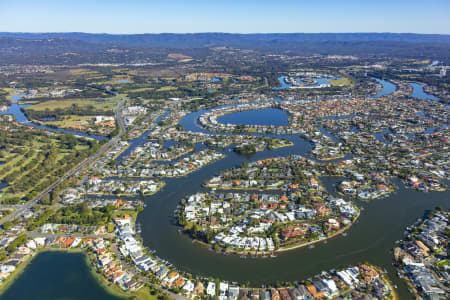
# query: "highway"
80,166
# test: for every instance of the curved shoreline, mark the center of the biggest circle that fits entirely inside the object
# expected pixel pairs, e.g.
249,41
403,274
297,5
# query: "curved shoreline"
337,233
388,282
309,243
108,288
281,249
9,281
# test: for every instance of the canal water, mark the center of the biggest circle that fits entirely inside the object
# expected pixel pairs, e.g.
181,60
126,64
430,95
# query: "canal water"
382,222
371,239
56,276
138,141
388,88
319,81
285,85
419,93
266,116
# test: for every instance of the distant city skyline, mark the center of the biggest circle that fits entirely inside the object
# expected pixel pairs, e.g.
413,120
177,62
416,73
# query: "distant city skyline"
245,16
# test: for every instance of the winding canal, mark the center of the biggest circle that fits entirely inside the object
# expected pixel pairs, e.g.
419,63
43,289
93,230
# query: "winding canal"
371,238
388,88
381,223
419,93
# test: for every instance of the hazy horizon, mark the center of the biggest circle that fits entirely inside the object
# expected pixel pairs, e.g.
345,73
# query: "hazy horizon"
250,16
224,32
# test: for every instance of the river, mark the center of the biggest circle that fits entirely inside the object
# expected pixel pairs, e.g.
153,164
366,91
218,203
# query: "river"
419,93
371,238
20,117
382,222
388,88
285,85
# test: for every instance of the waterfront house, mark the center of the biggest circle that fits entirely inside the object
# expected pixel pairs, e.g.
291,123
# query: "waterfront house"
211,289
199,289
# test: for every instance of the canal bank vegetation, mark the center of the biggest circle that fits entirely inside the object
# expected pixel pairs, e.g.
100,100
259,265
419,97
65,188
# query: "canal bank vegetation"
4,101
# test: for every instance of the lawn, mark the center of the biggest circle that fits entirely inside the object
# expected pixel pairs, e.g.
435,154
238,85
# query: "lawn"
144,294
70,121
29,164
422,62
11,92
167,88
19,161
339,82
101,104
141,90
82,71
15,164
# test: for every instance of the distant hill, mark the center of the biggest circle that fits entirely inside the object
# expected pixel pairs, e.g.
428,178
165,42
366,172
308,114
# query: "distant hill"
73,48
201,40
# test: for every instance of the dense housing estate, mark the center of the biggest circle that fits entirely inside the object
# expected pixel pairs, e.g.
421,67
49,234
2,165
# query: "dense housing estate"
88,149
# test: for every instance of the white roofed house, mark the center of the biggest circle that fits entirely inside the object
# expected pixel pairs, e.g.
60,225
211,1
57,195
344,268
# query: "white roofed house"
40,241
211,289
223,290
331,286
31,244
76,242
188,287
7,268
233,292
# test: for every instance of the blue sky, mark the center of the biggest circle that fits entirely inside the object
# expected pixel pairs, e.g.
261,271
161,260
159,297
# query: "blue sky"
244,16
